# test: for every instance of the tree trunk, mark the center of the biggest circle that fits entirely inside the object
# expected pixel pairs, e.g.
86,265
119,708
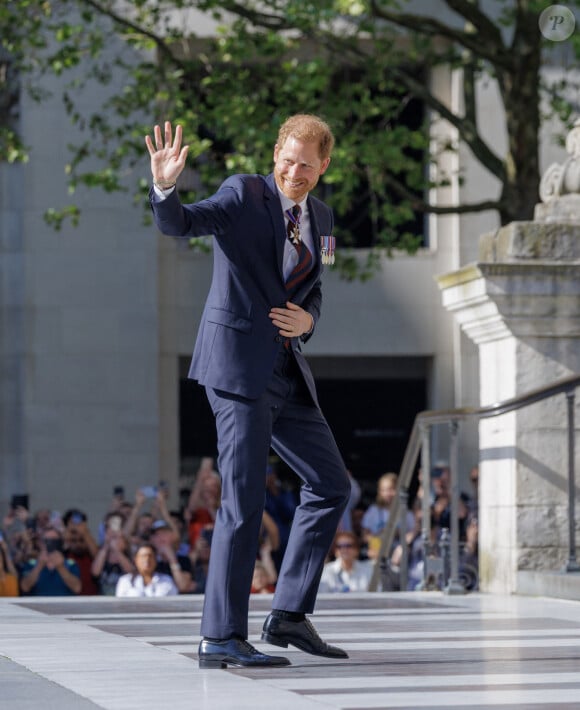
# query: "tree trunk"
521,97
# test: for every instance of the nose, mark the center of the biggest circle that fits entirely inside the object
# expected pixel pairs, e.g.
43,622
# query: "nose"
294,170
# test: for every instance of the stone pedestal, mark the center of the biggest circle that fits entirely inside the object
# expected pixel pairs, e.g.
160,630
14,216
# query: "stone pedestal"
520,303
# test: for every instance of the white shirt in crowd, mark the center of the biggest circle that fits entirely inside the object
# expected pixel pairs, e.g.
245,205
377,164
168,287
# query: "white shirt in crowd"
336,579
132,585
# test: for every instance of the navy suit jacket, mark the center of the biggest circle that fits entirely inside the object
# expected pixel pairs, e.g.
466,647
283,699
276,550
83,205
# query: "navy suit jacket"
237,343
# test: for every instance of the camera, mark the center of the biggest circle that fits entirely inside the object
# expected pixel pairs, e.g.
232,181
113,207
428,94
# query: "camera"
119,492
149,491
53,545
76,518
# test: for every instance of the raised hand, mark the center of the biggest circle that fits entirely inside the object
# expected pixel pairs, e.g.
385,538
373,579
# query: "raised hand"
167,158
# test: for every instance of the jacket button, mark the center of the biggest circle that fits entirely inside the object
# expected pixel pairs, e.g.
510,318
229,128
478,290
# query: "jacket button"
278,339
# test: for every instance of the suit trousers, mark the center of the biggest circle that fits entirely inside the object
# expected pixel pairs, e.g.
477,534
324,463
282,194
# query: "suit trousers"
285,418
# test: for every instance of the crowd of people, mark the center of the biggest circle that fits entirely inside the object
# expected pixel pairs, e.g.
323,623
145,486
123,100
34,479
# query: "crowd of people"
142,548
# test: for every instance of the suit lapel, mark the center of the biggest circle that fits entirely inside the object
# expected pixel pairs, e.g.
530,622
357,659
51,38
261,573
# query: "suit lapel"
274,207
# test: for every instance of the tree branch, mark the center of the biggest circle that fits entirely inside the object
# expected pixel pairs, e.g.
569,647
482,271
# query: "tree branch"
261,19
471,12
492,49
419,204
467,129
125,22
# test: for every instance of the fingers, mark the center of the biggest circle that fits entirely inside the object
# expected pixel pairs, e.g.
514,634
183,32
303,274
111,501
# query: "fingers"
157,134
168,134
288,320
166,141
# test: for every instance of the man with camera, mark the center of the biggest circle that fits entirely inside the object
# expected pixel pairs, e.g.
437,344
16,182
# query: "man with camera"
51,574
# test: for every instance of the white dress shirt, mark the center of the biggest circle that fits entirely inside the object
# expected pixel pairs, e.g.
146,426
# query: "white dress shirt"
336,579
132,585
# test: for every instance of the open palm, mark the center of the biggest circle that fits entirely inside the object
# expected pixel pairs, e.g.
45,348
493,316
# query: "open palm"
167,156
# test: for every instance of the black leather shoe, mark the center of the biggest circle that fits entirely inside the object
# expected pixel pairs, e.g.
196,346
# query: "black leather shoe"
235,652
301,634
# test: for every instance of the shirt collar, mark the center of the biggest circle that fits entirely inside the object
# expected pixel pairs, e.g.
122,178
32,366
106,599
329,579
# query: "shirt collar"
287,203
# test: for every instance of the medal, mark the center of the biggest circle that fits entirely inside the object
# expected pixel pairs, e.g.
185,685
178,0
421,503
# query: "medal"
327,248
295,234
293,228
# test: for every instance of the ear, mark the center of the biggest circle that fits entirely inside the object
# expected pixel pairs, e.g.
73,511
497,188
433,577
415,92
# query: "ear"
324,166
276,151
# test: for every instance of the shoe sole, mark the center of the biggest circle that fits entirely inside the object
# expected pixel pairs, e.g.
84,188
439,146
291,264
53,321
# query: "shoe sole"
225,662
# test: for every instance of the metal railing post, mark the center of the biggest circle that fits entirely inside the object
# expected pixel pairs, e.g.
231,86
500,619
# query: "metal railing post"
404,564
454,585
425,431
572,565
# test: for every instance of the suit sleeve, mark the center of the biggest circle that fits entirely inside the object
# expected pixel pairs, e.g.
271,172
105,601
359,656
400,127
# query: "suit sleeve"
313,303
211,216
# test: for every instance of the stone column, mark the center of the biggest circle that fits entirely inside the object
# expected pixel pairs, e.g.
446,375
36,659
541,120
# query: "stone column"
520,303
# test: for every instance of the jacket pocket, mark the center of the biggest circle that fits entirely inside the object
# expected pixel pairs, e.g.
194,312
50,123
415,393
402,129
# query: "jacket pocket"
229,319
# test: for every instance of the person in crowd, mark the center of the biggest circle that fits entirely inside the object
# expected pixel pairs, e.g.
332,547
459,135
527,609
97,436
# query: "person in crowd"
145,581
346,573
263,581
165,540
204,500
43,519
473,502
81,546
415,555
199,556
51,573
138,526
118,505
280,505
377,514
441,508
264,300
268,544
183,545
16,520
113,558
140,530
8,572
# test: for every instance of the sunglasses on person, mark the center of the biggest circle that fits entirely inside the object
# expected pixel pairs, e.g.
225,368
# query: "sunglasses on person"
344,545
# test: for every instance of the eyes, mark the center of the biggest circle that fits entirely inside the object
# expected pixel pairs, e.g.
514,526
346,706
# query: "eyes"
305,166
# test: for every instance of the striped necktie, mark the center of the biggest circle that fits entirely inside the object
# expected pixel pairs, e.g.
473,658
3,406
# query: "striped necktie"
302,268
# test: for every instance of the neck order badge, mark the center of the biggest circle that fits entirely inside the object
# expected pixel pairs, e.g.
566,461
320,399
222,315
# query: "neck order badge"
293,229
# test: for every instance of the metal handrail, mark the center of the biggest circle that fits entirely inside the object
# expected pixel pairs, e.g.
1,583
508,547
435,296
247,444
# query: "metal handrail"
419,441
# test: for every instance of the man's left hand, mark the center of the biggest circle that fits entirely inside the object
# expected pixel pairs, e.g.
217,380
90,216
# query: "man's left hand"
292,321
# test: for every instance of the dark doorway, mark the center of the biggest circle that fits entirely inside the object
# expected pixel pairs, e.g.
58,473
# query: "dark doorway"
197,433
371,420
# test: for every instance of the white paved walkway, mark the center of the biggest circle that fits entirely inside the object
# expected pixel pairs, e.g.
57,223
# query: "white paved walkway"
415,650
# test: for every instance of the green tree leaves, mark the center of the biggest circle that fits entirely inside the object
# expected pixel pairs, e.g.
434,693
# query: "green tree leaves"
364,65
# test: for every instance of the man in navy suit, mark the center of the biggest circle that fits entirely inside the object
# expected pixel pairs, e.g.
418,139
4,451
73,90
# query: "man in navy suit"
264,300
